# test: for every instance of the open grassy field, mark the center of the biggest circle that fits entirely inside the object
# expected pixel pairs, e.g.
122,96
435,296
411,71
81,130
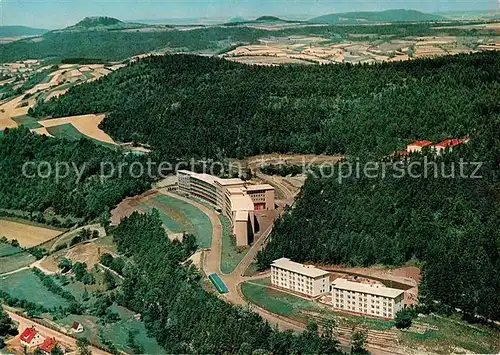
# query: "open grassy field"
26,234
26,285
7,249
192,219
231,255
27,121
451,335
16,261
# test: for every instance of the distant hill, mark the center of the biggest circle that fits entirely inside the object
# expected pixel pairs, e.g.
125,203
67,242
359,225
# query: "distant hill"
371,17
268,19
97,21
16,31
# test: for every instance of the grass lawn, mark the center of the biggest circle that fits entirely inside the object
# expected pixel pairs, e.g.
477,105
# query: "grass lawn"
14,262
26,285
7,249
452,333
260,293
189,216
27,121
231,255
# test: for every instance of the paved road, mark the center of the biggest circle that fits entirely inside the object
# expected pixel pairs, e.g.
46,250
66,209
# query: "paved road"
234,280
48,332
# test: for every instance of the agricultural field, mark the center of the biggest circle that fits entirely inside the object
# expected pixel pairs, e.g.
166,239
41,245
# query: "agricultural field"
355,49
27,121
27,235
14,262
7,249
231,255
26,285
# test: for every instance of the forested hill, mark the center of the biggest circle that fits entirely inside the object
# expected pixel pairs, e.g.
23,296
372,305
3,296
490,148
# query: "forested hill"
448,224
194,106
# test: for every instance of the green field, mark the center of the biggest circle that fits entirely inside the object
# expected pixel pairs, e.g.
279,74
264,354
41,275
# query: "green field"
231,255
452,333
180,216
27,121
117,332
7,249
14,262
26,285
69,132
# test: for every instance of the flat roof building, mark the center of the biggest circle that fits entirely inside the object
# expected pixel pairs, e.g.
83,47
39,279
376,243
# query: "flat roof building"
230,196
303,279
366,299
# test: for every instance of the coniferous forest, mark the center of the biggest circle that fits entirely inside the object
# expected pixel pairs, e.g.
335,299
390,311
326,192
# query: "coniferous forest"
185,106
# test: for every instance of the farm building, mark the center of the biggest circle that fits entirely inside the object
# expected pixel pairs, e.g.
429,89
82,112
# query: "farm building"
76,327
48,345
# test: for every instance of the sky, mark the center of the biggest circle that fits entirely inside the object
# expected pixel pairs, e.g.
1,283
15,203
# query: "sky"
52,14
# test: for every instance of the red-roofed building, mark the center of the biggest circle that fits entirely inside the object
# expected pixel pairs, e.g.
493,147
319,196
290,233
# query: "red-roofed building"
417,146
77,327
30,337
440,147
48,344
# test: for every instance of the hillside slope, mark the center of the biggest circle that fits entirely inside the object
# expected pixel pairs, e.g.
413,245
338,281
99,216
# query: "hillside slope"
373,17
16,31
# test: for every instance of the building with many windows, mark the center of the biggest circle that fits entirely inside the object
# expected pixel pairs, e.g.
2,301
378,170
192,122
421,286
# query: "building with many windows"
366,299
303,279
231,197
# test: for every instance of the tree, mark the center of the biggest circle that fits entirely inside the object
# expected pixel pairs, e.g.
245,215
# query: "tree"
65,265
404,318
82,345
358,343
56,350
109,280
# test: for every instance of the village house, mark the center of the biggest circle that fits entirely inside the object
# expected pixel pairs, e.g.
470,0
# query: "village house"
30,338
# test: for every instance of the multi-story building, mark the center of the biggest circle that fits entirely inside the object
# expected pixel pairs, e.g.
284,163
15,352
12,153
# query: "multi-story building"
303,279
262,196
231,197
369,300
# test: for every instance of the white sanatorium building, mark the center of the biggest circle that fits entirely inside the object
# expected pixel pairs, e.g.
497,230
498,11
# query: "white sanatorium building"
233,197
307,280
371,300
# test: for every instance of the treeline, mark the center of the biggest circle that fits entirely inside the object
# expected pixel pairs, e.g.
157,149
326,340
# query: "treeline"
185,106
86,195
181,315
448,223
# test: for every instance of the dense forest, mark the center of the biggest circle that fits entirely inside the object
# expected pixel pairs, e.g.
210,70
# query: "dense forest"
82,193
181,315
194,106
116,44
449,224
